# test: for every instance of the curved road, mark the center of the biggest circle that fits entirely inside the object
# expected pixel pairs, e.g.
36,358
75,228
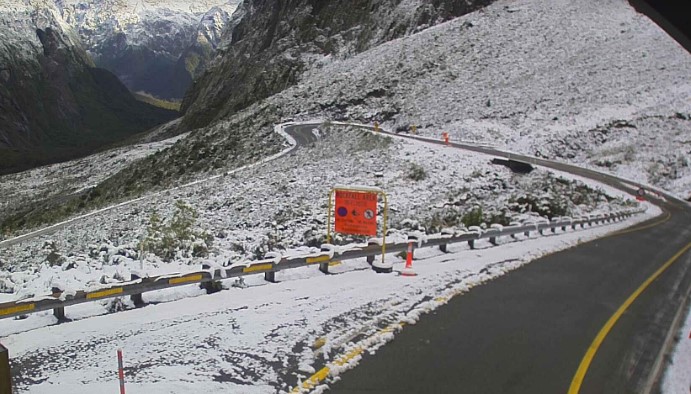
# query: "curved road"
597,309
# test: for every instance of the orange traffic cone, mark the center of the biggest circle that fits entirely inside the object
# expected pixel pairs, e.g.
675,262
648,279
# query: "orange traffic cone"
408,270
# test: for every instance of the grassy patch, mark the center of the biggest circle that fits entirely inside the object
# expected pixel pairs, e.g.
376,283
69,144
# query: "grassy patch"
156,102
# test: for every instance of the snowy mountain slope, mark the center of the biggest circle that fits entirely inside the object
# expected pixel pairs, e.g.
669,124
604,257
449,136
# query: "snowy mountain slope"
257,210
153,46
273,42
545,78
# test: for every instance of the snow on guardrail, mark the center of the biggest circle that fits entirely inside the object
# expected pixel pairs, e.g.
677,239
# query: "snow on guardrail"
274,262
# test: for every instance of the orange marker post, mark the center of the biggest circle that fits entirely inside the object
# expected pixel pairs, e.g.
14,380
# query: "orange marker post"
408,270
376,126
121,373
445,135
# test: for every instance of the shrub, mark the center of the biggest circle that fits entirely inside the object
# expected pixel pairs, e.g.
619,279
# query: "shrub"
473,217
165,240
416,172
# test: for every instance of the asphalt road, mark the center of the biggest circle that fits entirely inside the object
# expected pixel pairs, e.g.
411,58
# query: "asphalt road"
302,134
528,331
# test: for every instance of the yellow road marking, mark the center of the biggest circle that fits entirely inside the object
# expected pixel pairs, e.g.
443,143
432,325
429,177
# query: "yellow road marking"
631,230
323,373
16,309
185,279
258,267
590,354
334,263
349,356
104,293
313,381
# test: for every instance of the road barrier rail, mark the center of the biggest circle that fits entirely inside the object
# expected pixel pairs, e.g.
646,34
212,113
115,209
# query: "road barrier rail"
210,277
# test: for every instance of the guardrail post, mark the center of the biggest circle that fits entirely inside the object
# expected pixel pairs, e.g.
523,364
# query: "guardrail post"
324,267
370,259
212,286
5,375
493,240
471,243
59,312
445,232
270,276
136,299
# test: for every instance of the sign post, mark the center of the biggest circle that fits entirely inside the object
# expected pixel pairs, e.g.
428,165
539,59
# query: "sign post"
355,213
5,375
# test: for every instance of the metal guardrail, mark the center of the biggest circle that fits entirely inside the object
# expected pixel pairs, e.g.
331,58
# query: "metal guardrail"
58,300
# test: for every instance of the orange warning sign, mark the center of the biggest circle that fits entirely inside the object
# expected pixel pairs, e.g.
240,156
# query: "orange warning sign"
356,212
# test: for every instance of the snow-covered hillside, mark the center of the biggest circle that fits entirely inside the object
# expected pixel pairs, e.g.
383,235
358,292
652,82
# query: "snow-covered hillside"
254,211
592,82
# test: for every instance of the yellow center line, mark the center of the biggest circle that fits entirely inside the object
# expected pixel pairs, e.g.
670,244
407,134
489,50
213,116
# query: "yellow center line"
631,230
590,354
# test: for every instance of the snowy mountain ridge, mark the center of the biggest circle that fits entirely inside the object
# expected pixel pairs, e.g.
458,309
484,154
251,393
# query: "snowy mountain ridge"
51,96
156,47
96,19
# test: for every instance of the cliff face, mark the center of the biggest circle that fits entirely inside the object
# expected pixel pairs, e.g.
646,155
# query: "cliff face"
54,104
271,42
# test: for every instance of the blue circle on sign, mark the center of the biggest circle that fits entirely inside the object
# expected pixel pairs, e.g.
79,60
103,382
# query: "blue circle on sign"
342,211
